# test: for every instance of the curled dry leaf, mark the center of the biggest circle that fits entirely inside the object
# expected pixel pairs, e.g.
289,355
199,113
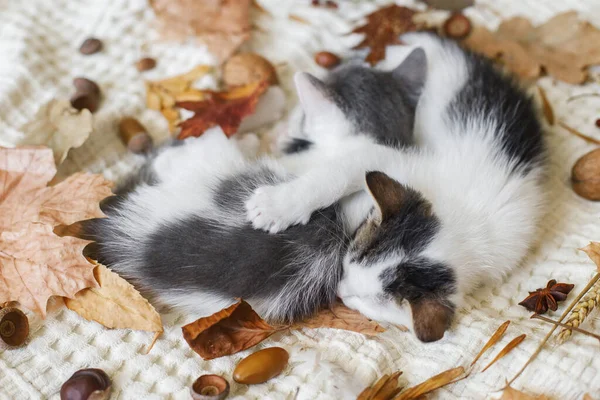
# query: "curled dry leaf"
507,349
58,126
35,263
162,95
493,340
225,109
115,303
229,331
431,384
341,317
384,389
563,47
514,394
383,28
546,106
220,24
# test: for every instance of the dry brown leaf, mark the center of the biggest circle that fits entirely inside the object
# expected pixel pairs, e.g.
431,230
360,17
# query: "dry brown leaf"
383,28
225,109
593,252
58,126
493,340
164,94
115,304
546,106
220,24
341,317
35,263
384,389
507,349
514,394
563,47
226,332
431,384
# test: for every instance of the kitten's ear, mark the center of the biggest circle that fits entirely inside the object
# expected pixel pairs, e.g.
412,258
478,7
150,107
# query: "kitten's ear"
387,193
431,318
413,72
312,93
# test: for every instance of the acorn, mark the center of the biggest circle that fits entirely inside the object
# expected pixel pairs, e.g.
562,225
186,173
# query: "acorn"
210,387
246,68
261,366
14,327
145,64
134,135
86,384
585,176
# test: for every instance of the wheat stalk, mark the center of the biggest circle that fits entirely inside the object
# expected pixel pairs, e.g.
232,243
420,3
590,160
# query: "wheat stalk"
580,312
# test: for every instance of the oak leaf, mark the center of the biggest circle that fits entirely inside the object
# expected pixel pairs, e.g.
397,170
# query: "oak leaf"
383,28
35,263
225,109
514,394
226,332
115,303
59,126
563,47
341,317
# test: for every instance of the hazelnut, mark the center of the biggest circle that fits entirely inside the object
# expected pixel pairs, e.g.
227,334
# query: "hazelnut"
457,26
86,384
246,68
134,135
585,176
14,327
261,366
210,387
145,64
90,46
326,59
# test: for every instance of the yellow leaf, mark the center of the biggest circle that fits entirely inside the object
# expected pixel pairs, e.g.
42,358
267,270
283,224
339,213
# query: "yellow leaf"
115,304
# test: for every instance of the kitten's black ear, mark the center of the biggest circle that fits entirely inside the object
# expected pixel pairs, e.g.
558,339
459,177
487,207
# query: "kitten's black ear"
387,193
413,72
312,93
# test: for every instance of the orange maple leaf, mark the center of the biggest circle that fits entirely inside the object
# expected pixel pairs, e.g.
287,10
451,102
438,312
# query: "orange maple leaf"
35,263
226,109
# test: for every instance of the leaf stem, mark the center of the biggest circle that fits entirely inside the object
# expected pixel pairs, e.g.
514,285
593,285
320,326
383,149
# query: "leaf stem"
537,316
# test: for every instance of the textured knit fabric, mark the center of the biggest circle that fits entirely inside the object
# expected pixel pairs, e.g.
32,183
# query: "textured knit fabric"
39,57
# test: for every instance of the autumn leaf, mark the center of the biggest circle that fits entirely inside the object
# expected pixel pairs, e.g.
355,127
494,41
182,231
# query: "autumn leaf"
35,263
115,303
341,317
226,332
435,382
563,47
59,126
223,26
225,109
593,252
383,28
514,394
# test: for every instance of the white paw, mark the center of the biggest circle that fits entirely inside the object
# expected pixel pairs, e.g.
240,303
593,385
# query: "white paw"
273,209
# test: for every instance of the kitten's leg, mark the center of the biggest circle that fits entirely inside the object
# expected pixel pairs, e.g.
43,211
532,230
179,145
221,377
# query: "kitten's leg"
274,208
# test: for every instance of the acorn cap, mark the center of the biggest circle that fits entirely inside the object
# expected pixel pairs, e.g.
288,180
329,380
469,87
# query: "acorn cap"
14,327
210,387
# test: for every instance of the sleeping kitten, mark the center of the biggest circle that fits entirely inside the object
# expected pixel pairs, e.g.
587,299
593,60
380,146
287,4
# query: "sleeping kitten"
476,173
178,229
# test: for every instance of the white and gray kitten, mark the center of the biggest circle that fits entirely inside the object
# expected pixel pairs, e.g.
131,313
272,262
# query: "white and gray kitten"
459,208
178,228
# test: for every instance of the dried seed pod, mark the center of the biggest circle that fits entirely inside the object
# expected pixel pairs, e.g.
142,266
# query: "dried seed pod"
261,366
14,327
86,384
86,85
246,68
585,176
210,387
145,64
326,59
134,135
457,26
90,46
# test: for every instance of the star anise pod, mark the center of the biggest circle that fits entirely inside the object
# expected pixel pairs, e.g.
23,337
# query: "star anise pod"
547,298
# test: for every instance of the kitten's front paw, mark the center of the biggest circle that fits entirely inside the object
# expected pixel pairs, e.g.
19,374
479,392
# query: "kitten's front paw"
272,209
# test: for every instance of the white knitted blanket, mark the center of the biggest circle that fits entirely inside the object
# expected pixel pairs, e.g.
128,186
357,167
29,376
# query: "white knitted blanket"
38,47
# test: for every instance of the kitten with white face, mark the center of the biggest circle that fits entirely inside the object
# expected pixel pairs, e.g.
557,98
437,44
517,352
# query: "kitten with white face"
461,207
